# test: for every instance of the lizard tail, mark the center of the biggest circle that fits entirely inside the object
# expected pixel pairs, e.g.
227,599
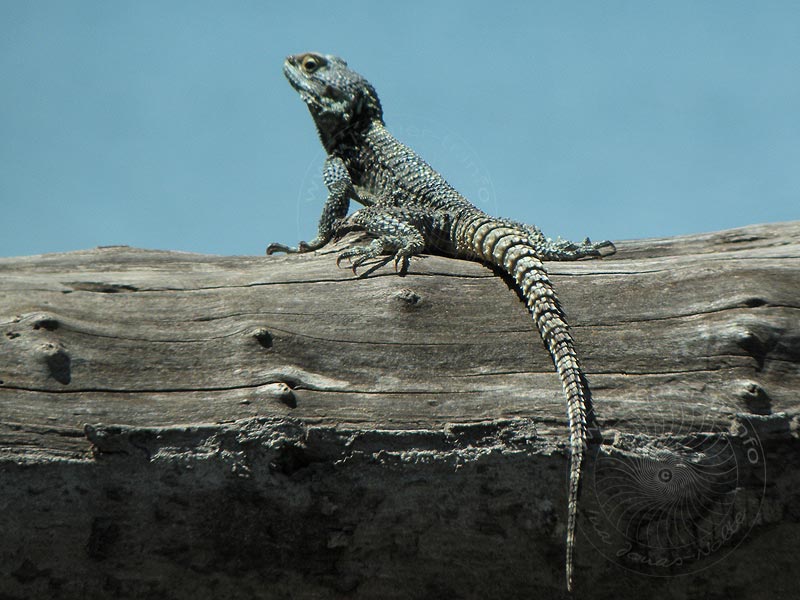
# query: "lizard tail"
508,248
530,275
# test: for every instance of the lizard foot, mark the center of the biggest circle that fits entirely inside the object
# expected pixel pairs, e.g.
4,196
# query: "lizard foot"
567,250
587,248
362,254
402,257
299,249
275,247
602,248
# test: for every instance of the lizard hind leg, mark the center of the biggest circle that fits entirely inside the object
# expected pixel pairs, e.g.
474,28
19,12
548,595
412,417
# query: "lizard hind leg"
568,250
393,232
560,249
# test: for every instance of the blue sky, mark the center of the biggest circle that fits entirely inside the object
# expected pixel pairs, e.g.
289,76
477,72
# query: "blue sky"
169,125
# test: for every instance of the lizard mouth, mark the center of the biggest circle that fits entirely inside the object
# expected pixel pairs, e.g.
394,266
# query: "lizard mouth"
300,84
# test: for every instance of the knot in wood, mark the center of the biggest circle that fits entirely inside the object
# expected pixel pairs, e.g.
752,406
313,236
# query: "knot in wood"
262,336
407,297
44,321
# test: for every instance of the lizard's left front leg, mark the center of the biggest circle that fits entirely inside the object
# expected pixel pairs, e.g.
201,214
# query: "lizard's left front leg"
340,192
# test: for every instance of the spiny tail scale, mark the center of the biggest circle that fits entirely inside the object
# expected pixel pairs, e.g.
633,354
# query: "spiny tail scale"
508,248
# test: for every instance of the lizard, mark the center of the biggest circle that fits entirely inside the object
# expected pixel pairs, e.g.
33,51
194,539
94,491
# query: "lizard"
409,208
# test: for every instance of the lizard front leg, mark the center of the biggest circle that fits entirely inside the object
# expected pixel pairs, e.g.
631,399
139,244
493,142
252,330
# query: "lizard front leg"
340,192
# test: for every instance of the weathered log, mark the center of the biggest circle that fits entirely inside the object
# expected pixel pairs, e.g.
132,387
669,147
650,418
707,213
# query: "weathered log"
197,427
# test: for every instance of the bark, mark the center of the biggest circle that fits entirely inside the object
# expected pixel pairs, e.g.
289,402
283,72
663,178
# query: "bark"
195,426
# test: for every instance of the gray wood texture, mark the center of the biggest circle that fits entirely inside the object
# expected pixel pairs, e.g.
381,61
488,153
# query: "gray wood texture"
273,427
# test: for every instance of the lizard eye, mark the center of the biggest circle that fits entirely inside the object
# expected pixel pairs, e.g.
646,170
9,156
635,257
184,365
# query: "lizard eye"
310,64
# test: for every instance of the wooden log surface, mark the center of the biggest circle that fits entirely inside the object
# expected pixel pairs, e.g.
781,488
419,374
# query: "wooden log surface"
274,427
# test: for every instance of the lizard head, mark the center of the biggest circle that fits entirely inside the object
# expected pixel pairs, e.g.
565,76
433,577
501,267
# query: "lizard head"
331,90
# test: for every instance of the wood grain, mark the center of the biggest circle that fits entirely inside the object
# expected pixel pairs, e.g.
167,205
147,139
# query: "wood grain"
116,364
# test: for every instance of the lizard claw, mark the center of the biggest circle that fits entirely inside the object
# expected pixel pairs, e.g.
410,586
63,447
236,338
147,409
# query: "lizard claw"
401,263
362,253
358,262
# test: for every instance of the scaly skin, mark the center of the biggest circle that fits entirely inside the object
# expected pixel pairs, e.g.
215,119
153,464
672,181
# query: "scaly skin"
409,208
